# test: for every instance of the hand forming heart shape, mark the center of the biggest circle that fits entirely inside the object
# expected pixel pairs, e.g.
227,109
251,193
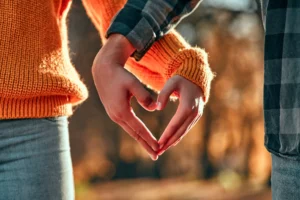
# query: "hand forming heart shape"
116,86
188,113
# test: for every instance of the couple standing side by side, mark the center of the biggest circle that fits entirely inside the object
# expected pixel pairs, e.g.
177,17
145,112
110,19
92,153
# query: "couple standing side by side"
39,86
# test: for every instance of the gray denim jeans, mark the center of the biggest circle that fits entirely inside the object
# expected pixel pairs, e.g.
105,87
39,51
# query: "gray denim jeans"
285,178
35,161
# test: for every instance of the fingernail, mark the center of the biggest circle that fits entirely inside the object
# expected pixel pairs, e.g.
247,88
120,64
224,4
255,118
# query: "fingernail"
154,158
158,106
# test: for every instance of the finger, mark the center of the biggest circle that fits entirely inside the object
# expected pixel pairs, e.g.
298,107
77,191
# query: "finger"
194,122
140,140
179,133
188,129
139,127
176,142
176,138
176,122
142,96
179,138
163,150
165,93
188,107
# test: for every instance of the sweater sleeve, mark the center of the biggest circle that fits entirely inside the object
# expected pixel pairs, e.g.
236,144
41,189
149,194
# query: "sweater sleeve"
170,55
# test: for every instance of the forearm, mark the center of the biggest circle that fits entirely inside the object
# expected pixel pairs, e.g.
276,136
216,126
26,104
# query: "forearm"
117,50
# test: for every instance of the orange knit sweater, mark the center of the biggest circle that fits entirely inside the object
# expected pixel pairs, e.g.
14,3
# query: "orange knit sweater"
37,78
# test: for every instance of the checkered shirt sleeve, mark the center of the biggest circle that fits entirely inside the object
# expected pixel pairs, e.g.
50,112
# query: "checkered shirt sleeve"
282,78
143,22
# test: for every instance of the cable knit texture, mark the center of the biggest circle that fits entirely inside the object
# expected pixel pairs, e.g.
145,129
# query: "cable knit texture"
169,56
37,78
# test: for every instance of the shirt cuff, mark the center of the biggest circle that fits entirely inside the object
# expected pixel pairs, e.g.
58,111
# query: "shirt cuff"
136,28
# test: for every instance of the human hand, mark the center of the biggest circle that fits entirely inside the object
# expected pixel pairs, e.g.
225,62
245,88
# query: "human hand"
116,86
189,111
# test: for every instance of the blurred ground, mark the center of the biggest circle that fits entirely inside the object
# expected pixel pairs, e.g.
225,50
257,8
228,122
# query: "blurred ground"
170,189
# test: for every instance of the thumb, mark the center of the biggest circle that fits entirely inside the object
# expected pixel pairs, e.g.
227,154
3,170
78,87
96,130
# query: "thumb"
165,93
143,97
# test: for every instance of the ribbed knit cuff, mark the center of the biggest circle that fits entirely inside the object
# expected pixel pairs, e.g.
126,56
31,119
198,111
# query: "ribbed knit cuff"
36,107
192,64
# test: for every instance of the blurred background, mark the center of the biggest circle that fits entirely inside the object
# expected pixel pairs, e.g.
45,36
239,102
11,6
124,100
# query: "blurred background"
223,156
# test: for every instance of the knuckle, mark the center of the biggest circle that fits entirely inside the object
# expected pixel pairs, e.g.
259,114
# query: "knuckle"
137,137
136,132
140,133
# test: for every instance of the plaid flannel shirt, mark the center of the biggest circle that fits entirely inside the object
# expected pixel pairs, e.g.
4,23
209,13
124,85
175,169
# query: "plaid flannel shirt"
145,21
282,78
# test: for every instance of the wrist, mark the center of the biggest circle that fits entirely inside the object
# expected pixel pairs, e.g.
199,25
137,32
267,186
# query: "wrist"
117,49
192,64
